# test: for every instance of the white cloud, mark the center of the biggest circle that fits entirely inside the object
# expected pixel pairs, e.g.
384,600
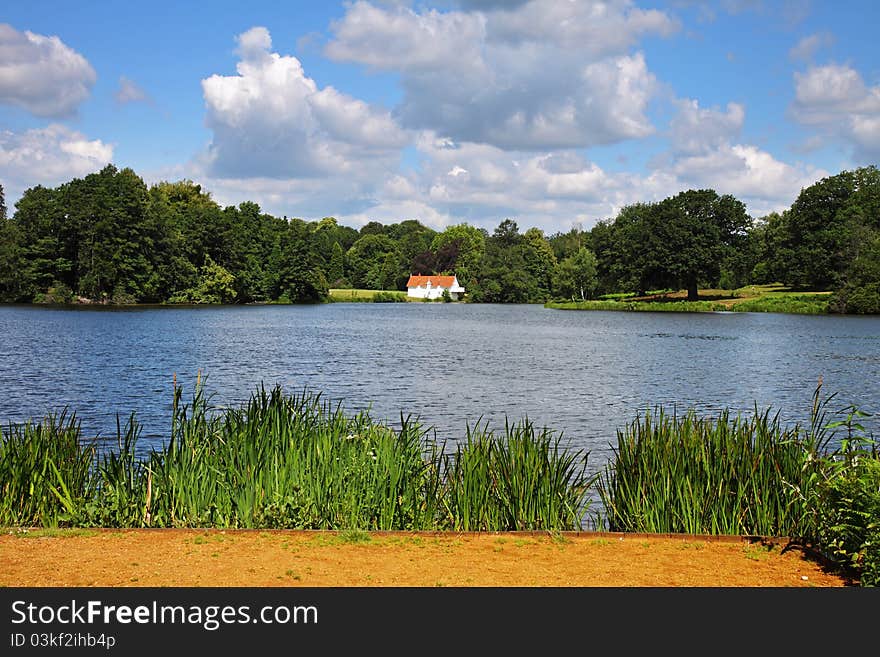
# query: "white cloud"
395,211
497,116
706,153
48,156
594,28
130,92
807,47
696,130
254,43
272,121
537,75
745,171
41,74
834,100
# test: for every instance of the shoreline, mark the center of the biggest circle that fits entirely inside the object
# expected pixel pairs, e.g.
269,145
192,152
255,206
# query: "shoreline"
326,558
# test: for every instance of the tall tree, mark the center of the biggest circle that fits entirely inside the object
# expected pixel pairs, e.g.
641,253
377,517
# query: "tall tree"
368,255
576,276
701,229
10,258
465,257
301,279
336,266
682,240
540,261
503,275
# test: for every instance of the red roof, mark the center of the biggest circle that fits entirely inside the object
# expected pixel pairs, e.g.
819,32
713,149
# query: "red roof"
436,281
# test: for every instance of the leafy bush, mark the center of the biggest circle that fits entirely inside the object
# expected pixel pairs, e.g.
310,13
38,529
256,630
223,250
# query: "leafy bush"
862,300
849,518
844,507
57,293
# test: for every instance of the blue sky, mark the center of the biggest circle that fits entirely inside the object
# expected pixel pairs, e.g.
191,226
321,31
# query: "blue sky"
551,112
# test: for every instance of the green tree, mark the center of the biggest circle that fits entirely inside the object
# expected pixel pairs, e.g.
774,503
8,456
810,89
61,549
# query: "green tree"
336,267
109,225
567,244
635,254
540,261
576,276
680,241
301,278
700,229
216,286
368,255
504,276
11,263
820,228
40,231
462,247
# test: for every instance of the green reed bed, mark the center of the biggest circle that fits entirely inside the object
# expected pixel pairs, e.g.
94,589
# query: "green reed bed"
293,461
298,461
43,465
289,461
521,480
697,475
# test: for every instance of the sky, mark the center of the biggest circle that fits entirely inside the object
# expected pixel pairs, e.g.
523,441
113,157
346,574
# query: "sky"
552,113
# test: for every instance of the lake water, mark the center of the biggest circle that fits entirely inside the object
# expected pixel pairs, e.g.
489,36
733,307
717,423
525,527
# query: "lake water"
585,374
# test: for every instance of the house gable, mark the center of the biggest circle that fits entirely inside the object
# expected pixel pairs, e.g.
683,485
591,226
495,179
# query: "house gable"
433,287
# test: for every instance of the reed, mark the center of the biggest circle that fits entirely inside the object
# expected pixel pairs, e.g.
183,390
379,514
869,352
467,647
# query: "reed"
521,480
719,475
290,461
298,461
44,471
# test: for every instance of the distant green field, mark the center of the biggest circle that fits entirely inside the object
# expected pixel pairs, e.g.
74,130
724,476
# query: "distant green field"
343,294
753,298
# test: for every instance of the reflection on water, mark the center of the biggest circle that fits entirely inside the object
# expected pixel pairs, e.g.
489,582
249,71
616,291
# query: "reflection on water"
585,374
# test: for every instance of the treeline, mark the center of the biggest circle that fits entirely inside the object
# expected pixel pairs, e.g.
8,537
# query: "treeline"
111,238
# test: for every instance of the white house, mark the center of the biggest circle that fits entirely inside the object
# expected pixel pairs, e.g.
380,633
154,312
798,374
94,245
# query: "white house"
432,287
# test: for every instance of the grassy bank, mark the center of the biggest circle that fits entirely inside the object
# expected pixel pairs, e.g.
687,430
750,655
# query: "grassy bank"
753,298
368,296
297,461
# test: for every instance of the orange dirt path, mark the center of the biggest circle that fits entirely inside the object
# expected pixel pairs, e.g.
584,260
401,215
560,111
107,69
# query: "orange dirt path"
233,558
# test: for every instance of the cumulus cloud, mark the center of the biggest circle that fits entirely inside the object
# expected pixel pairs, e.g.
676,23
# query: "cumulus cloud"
594,28
41,74
705,153
48,156
806,48
696,130
130,92
271,120
536,75
497,115
835,100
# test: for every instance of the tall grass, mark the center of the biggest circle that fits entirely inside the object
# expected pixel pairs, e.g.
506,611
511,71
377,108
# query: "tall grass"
521,480
802,304
722,475
293,461
290,461
44,469
298,461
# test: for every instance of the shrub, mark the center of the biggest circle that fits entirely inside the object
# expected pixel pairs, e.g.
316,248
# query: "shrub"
844,508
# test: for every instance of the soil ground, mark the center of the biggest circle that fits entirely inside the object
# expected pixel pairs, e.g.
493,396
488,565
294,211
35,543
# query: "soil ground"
233,558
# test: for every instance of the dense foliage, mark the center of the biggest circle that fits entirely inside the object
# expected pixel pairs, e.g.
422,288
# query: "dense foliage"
111,238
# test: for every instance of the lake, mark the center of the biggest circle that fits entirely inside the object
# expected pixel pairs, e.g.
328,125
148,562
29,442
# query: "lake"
583,373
